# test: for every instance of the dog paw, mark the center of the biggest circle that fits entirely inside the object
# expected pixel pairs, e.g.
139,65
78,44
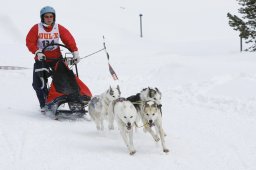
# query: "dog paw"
166,150
145,130
111,127
98,128
157,138
132,152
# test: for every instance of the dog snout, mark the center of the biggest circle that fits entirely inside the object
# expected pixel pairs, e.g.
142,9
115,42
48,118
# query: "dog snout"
150,123
129,124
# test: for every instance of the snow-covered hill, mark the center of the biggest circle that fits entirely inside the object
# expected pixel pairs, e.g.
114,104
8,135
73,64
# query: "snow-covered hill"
188,51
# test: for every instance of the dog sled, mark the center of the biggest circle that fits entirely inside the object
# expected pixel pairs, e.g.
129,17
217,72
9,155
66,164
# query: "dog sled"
67,96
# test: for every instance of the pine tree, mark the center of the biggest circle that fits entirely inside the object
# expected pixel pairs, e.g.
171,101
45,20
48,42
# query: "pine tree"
247,25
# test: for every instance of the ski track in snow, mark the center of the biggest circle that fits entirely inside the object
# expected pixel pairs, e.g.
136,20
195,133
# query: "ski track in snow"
7,144
15,148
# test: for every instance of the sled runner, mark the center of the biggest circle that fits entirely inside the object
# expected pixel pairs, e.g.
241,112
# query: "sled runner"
67,95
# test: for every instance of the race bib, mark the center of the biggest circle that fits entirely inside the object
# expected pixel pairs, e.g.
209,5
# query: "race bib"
46,38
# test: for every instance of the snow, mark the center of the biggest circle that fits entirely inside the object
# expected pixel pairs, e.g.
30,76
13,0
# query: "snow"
188,51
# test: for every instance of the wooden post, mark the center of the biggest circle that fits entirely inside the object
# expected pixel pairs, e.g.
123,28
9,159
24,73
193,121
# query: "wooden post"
241,44
141,25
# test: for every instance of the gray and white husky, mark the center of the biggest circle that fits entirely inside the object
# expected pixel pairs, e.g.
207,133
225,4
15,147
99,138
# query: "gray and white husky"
125,114
98,106
151,117
149,106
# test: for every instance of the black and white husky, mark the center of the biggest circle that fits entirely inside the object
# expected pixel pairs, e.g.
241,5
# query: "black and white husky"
98,106
125,114
146,94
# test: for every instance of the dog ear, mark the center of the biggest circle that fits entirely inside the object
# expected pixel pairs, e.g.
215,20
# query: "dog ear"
146,104
158,91
144,89
118,88
111,92
155,104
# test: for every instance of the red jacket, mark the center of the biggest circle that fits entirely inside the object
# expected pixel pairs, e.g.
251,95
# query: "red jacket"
65,36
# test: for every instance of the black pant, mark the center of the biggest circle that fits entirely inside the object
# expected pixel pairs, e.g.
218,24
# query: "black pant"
37,80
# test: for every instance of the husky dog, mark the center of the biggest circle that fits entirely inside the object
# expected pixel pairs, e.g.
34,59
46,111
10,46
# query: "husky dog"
151,116
125,115
98,106
145,95
151,94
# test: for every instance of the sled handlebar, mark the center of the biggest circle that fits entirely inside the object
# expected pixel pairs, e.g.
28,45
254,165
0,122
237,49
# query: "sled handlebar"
53,44
56,59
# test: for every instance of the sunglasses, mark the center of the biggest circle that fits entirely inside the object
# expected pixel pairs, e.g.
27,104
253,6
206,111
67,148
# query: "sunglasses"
48,16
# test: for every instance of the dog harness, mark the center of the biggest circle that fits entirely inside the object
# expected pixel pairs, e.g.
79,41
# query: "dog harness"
121,99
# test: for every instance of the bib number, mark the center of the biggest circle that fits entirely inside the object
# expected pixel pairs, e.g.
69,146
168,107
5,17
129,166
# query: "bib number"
46,43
